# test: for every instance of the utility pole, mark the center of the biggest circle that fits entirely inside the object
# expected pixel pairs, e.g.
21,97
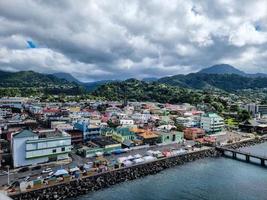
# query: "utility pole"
8,178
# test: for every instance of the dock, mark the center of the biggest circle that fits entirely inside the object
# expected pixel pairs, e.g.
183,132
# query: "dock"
248,156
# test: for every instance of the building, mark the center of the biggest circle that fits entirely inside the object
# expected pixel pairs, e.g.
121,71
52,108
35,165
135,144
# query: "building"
13,102
193,133
76,136
89,131
251,126
212,123
90,151
141,117
107,144
167,137
126,122
146,136
29,148
251,108
262,110
122,134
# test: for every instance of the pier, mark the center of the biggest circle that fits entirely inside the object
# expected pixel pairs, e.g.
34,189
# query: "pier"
236,152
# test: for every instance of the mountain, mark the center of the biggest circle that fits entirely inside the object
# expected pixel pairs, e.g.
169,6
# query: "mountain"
136,90
150,79
227,82
228,69
222,69
90,86
66,76
30,79
36,82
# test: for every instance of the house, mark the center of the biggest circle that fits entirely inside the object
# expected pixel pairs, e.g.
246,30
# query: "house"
122,134
29,148
107,131
126,122
166,136
147,136
212,123
193,133
141,117
166,127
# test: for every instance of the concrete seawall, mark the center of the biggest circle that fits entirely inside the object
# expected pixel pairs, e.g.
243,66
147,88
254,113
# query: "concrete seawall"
88,184
85,185
246,143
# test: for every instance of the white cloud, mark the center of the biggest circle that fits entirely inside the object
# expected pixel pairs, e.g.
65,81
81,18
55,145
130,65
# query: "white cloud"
102,39
247,34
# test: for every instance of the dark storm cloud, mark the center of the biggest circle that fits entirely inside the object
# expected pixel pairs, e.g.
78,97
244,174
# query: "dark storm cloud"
120,39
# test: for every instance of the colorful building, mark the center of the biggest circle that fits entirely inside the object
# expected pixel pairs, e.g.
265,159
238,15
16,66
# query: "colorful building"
29,148
193,133
172,136
122,134
146,136
212,123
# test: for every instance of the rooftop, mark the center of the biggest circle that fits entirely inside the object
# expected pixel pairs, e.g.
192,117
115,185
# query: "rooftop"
24,133
103,141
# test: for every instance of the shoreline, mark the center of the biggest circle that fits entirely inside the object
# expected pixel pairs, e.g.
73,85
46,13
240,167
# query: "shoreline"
89,184
103,180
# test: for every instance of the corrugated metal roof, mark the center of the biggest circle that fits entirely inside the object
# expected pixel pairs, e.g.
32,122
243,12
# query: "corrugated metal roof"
24,133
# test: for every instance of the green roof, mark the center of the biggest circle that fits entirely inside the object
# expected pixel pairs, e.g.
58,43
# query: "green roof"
211,115
24,133
124,132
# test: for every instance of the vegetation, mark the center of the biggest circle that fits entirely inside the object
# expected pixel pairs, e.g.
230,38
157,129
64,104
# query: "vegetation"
136,90
29,83
226,82
243,115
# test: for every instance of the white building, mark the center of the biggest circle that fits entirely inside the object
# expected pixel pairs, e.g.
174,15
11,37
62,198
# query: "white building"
212,123
142,117
126,122
30,148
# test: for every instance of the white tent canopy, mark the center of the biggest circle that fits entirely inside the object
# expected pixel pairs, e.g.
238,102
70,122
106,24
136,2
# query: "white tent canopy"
61,172
74,169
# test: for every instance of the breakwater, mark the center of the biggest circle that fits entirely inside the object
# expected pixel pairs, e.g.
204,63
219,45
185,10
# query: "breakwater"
246,143
88,184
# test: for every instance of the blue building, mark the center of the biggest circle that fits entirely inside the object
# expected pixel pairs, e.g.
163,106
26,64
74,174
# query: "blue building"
89,132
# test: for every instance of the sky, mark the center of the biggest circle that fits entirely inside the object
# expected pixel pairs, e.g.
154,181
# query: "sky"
116,39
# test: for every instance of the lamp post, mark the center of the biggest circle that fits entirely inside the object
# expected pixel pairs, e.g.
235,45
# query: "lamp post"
8,178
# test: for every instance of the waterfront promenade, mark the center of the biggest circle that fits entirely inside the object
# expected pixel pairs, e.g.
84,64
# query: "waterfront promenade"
89,183
95,182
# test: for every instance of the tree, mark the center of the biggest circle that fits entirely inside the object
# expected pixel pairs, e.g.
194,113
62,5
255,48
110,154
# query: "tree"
243,115
113,123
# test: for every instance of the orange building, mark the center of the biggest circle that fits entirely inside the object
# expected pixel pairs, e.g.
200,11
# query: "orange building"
147,136
193,133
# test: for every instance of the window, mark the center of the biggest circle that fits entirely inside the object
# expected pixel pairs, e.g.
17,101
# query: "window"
63,149
173,137
54,150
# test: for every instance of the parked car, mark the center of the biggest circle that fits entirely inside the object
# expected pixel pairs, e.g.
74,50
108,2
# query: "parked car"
14,184
24,169
27,178
51,173
47,170
36,167
107,154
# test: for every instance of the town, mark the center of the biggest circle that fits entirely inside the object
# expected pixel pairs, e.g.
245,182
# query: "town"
42,144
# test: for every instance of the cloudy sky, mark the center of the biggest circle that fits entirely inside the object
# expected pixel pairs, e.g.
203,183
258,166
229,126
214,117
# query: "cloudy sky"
113,39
